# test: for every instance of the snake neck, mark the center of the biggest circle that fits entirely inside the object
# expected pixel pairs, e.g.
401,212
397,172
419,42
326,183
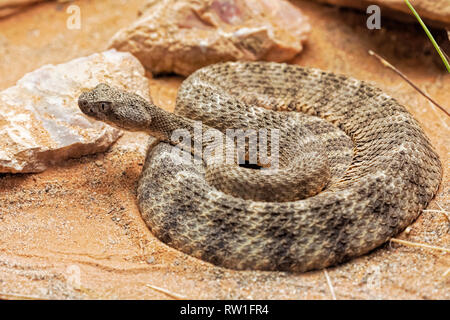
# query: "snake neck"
175,129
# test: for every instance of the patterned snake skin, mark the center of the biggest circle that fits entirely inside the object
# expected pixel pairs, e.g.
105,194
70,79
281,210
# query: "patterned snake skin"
355,168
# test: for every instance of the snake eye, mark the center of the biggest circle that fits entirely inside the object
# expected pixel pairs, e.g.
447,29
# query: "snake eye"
104,106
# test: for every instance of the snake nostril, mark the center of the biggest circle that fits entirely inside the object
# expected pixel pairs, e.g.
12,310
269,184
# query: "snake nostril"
82,103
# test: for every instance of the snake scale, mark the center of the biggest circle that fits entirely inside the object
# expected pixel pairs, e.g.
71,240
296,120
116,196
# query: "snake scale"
355,168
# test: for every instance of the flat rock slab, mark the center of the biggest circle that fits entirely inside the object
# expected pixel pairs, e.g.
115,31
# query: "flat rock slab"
181,36
40,122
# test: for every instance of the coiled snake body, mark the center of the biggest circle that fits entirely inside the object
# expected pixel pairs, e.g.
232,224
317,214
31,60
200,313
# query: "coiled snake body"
355,168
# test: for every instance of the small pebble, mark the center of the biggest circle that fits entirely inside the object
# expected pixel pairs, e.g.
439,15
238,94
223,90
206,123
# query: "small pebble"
151,260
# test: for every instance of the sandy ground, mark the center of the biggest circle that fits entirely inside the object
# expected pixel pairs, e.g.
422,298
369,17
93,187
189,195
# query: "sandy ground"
74,231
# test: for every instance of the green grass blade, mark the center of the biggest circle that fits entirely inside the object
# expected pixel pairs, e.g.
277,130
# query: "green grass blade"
438,49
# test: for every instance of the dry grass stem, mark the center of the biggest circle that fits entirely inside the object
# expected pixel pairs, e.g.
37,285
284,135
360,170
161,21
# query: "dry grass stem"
173,295
445,212
419,245
330,285
412,84
13,296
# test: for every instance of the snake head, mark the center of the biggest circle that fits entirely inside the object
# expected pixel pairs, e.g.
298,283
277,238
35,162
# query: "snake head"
116,107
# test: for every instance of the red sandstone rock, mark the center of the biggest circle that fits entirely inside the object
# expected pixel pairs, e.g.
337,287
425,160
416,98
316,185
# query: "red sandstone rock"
182,36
